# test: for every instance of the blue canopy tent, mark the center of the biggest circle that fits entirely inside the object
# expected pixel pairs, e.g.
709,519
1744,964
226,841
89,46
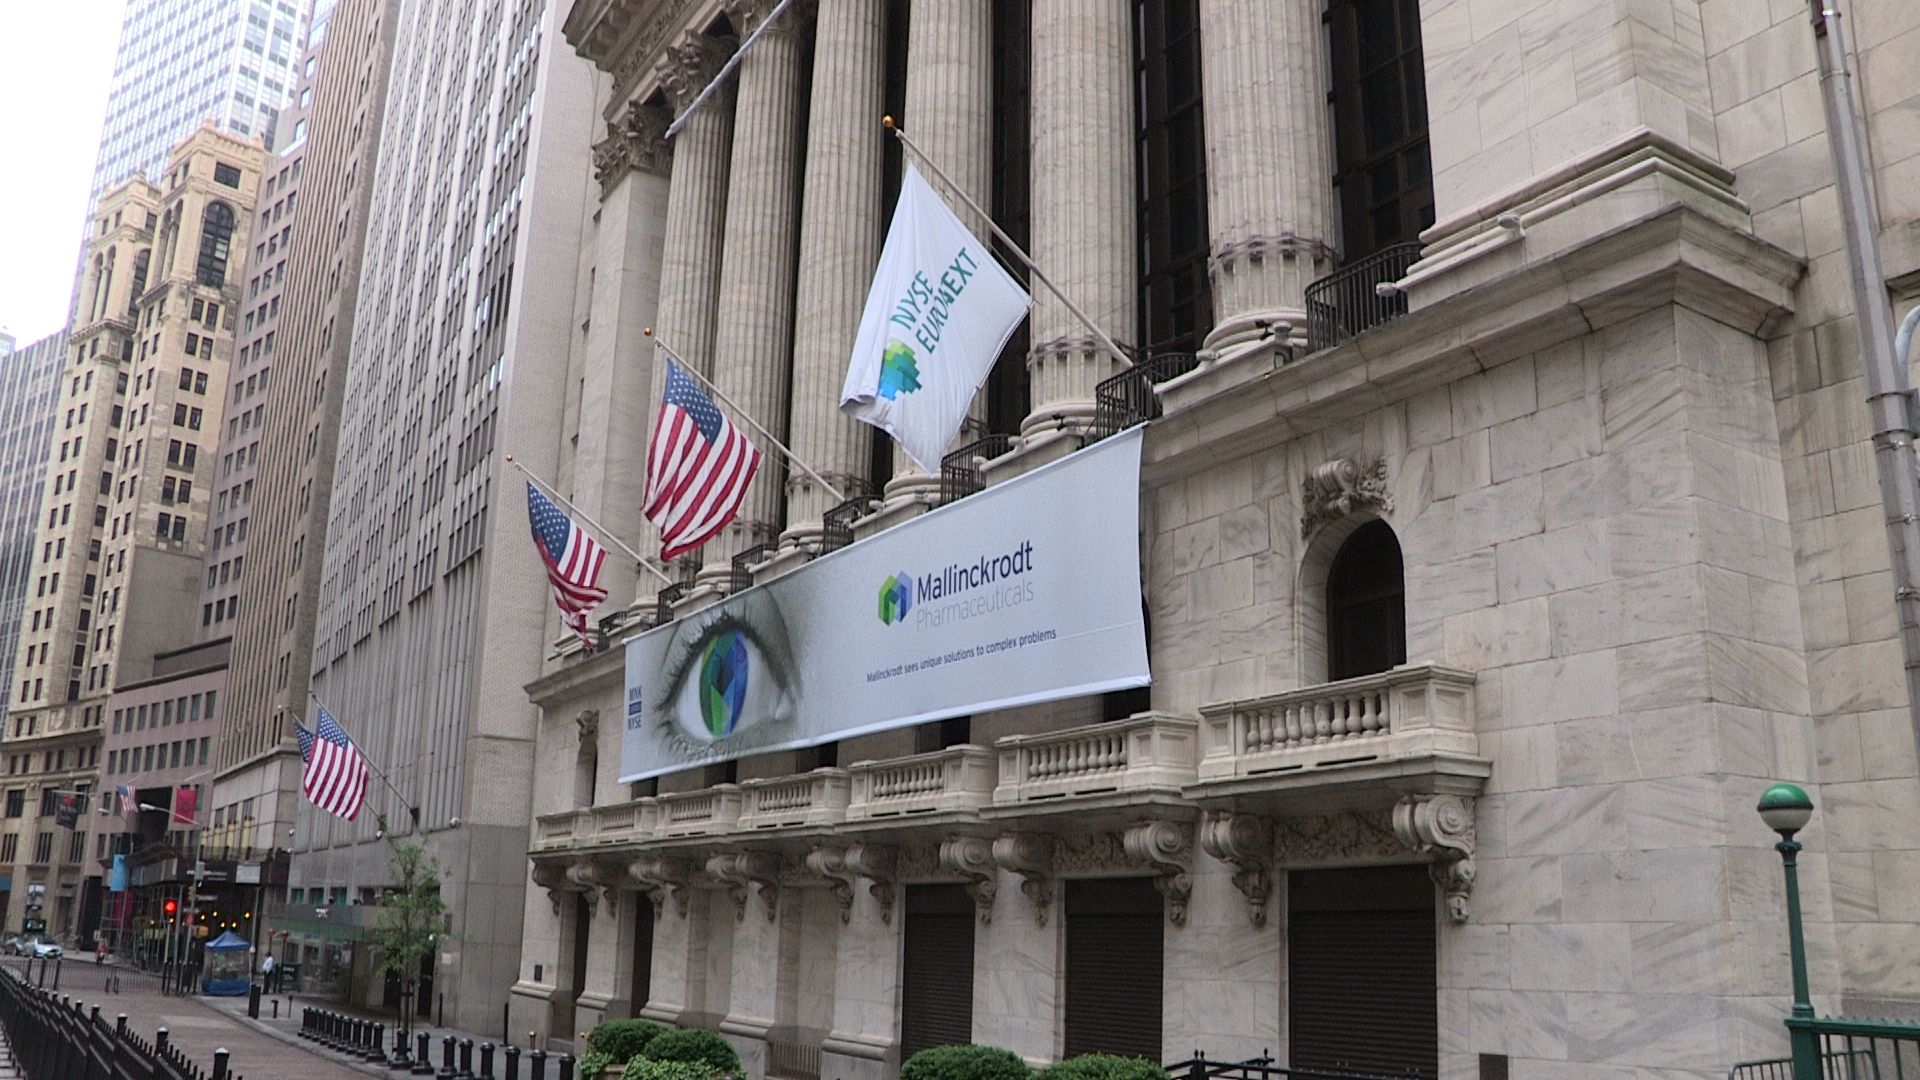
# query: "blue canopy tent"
229,966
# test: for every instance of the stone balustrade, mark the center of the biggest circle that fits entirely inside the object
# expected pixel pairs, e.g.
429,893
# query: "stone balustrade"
815,798
1409,712
1148,750
709,812
566,829
959,778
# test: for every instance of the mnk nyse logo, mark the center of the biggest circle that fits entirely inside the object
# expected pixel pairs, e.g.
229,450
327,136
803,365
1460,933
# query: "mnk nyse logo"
896,597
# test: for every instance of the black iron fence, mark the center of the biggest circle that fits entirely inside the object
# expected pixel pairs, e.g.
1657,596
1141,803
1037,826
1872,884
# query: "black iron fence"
1849,1050
1349,301
1198,1067
743,564
1129,398
960,470
55,1037
365,1040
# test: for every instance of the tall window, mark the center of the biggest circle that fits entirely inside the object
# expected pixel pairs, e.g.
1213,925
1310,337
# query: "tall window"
216,237
1008,389
1366,604
1383,172
1174,234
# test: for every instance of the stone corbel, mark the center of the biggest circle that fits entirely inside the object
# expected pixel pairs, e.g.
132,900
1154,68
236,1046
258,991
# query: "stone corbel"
879,865
588,721
659,876
1342,487
972,858
1167,847
831,863
1441,827
1031,856
1246,842
556,877
739,871
583,880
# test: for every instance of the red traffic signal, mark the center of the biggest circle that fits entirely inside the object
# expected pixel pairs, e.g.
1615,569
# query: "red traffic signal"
171,906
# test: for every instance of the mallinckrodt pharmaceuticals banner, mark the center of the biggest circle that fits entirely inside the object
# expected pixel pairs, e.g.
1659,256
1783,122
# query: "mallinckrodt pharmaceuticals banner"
1027,592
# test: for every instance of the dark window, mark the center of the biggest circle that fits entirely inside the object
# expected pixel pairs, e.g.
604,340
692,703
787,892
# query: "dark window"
225,174
1174,235
941,734
1007,385
216,238
16,803
1366,604
936,987
641,989
1115,934
1361,943
1383,172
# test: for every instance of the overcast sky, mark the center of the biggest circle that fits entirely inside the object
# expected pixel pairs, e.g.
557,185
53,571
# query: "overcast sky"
55,71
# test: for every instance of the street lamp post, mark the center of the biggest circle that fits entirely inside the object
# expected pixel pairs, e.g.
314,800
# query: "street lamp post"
1786,809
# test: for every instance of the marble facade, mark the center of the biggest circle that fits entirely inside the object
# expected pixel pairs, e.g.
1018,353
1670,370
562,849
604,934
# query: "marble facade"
1621,439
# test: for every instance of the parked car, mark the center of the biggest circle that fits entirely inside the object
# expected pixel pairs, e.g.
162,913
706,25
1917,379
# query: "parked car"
46,950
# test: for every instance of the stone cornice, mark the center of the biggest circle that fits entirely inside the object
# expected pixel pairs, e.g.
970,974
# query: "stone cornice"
1674,254
595,674
627,38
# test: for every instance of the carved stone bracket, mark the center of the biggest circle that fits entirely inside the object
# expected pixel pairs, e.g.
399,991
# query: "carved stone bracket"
588,723
831,863
690,64
1246,841
1031,856
739,871
971,857
635,141
1342,487
878,864
1167,847
659,876
558,878
1441,826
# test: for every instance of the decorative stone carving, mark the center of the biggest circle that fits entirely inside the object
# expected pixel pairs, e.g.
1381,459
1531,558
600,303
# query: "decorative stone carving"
740,871
1167,847
1353,837
1441,827
588,723
1342,487
971,857
557,877
659,876
877,864
1258,248
747,15
690,64
1091,855
831,863
921,862
635,141
1031,855
1246,841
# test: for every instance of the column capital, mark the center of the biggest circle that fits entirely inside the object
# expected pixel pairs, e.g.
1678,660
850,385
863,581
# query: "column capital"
747,15
690,64
634,141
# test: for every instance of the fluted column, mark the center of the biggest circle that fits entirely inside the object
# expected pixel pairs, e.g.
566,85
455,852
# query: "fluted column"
1269,185
1084,203
839,246
950,117
753,341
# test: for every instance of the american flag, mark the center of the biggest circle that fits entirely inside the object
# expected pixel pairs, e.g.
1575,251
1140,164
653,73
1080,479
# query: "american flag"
698,467
573,562
128,808
335,776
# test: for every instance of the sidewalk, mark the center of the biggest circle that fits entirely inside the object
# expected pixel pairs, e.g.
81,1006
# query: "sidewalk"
287,1029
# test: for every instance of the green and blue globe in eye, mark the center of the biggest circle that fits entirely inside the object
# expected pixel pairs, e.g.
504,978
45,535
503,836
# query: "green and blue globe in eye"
724,669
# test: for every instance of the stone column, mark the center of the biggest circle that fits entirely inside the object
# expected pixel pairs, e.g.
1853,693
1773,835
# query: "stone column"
696,207
1269,183
950,117
754,337
1084,202
839,245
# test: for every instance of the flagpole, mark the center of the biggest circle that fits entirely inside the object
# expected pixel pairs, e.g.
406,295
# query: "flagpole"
1101,335
597,527
744,415
726,69
412,810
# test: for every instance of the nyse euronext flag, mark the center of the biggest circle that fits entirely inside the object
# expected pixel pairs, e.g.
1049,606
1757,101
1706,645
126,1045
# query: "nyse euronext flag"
938,315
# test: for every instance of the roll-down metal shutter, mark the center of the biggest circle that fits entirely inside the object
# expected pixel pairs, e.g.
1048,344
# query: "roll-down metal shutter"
1115,933
642,989
1362,981
936,985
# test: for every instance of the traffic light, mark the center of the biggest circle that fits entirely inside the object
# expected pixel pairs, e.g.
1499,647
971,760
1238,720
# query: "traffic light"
170,907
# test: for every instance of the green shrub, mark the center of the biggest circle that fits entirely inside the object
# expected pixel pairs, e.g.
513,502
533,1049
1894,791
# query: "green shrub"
695,1045
965,1063
623,1040
1102,1067
641,1068
593,1065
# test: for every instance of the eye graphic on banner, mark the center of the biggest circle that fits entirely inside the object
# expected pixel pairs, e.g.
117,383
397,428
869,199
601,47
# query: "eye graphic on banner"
728,680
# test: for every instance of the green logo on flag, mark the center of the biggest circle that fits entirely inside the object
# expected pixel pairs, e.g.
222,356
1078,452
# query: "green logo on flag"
898,372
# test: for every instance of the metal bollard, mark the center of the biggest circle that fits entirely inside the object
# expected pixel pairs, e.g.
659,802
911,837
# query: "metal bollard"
486,1061
446,1059
401,1059
423,1059
466,1060
512,1053
220,1064
56,973
566,1067
276,1008
537,1065
160,1041
377,1044
253,1002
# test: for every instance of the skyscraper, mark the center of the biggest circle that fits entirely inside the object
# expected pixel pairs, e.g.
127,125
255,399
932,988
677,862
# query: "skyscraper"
182,62
28,377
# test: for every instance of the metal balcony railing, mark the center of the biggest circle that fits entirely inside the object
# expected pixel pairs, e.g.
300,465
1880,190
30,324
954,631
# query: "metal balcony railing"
743,564
1348,302
960,470
1128,398
836,525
